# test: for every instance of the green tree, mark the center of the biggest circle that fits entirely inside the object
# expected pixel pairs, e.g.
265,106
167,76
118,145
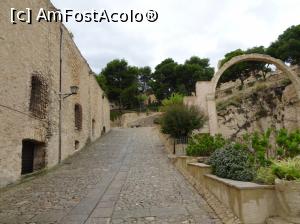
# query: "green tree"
244,70
237,71
102,82
287,46
121,83
163,81
180,120
145,78
170,77
193,70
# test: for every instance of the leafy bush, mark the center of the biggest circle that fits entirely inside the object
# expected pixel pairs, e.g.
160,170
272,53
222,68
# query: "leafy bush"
115,114
204,144
232,162
288,169
174,99
259,145
265,175
180,120
289,143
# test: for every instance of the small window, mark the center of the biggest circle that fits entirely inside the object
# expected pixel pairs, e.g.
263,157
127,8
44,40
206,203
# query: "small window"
78,116
39,97
93,127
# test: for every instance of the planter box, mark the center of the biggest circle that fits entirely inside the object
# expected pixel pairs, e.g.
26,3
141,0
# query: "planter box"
182,161
252,203
198,170
288,198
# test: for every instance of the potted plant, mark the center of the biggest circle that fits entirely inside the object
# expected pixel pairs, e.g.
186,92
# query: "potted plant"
287,187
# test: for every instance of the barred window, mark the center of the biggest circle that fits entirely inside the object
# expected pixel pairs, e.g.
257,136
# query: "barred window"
78,116
39,97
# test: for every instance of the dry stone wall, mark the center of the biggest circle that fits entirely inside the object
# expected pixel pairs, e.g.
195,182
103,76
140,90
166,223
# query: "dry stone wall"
265,105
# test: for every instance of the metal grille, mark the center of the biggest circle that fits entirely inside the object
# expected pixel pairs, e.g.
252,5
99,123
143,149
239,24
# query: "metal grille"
180,145
78,116
39,97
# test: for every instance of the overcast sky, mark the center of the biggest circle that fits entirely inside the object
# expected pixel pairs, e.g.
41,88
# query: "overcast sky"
205,28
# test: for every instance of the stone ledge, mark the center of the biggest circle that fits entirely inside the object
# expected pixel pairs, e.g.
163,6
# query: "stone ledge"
202,165
277,220
240,185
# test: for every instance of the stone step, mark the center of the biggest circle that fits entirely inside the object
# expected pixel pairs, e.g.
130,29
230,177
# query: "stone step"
277,220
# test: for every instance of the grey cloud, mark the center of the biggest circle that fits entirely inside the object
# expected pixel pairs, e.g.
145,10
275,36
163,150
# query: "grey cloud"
207,28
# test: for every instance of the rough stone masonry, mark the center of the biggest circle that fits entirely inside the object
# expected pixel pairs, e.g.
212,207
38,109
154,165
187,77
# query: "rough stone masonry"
29,94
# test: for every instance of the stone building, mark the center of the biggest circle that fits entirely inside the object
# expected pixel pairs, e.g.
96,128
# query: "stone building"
31,76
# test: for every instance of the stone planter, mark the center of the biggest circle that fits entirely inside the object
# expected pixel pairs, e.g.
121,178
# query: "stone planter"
288,196
203,159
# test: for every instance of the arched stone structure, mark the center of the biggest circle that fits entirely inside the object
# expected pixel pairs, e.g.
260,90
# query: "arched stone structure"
206,91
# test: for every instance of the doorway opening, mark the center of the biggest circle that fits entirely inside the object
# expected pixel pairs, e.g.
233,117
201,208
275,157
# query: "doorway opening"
33,156
103,130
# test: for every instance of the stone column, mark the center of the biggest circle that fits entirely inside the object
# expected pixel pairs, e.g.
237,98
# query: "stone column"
212,114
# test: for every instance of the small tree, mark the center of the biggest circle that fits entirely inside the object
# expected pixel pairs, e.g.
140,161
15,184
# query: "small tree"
180,120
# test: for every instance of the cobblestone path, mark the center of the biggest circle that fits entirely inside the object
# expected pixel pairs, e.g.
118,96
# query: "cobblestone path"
124,177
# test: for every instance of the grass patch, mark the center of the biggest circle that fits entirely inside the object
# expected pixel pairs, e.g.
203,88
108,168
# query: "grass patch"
233,101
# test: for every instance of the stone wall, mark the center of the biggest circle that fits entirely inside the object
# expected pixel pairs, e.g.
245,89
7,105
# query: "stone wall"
270,104
35,49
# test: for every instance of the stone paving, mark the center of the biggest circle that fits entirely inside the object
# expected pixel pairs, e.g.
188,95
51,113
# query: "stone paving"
124,177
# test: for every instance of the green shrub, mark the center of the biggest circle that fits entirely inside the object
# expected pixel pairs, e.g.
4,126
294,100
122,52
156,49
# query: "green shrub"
204,144
288,169
289,143
232,101
259,145
265,175
232,162
179,120
286,82
174,99
228,91
115,114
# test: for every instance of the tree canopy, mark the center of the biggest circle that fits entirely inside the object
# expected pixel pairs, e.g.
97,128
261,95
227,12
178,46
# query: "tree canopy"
121,83
127,86
170,77
287,46
244,70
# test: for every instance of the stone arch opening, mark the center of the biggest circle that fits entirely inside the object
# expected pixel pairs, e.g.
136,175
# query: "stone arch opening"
206,91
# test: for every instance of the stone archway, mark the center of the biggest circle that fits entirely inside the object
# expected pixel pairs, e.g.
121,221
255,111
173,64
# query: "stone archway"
206,91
